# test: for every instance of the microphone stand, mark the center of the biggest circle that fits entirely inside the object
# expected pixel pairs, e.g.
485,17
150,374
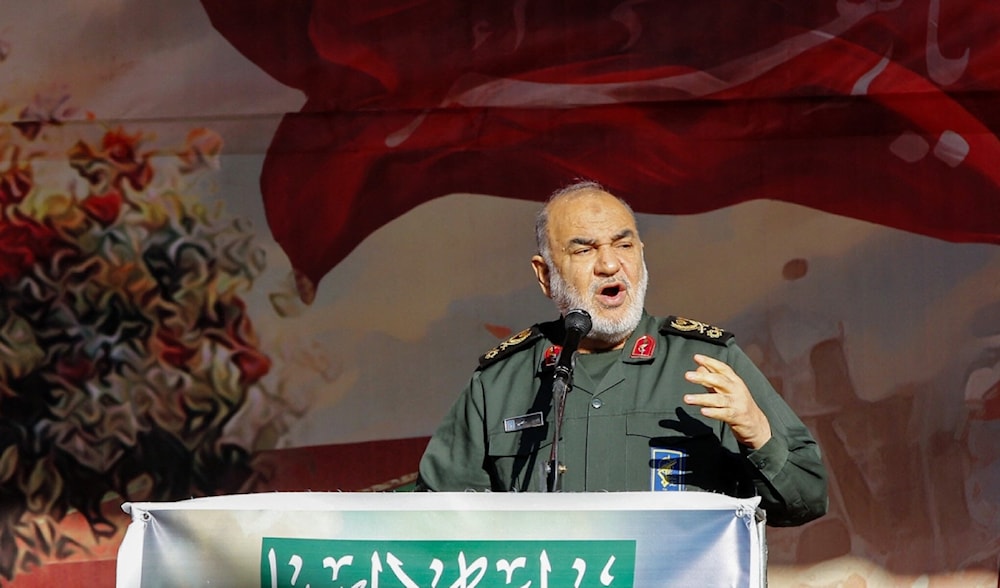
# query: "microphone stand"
561,385
577,323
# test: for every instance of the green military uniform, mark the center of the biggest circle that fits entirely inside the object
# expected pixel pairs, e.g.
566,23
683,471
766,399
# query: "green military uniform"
625,426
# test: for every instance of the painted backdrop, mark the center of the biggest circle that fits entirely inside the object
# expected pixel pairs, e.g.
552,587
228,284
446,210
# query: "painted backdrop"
259,245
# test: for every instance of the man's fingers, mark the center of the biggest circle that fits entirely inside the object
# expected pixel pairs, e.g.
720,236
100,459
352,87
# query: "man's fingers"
715,382
728,401
713,406
719,414
707,400
712,364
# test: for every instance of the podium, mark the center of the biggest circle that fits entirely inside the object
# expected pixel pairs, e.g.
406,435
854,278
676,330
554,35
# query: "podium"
445,540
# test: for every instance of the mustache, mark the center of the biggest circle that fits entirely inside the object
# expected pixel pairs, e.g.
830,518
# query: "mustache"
622,281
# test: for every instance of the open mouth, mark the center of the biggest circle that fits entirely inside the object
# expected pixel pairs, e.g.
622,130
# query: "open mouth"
612,294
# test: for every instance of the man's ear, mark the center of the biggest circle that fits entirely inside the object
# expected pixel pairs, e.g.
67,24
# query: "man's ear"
541,274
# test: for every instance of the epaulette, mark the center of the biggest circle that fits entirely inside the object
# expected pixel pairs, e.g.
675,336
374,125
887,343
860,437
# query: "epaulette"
675,325
510,346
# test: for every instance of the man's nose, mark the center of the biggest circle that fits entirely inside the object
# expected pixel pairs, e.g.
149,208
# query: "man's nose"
608,263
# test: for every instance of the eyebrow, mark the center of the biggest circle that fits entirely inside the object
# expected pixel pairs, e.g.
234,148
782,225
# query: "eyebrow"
623,234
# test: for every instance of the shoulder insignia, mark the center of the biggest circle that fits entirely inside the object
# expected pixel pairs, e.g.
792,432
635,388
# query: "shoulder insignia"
510,345
675,325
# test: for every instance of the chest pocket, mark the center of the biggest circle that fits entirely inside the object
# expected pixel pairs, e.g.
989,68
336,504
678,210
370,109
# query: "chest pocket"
653,461
516,460
679,454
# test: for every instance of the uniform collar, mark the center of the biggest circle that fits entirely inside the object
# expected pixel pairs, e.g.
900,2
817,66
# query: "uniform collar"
642,346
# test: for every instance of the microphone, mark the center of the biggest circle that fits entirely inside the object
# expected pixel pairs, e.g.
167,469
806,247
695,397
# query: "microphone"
578,324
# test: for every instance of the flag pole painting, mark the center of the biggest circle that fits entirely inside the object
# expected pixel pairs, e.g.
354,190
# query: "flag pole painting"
258,246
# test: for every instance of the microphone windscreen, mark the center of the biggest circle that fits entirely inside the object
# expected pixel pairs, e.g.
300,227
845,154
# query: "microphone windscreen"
578,320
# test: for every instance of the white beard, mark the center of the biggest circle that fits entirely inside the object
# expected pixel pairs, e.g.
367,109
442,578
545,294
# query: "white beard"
612,331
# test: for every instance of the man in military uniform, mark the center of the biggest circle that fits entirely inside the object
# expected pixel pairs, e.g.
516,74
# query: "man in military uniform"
656,404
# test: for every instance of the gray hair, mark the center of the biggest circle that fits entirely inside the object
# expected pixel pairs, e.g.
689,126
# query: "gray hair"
542,218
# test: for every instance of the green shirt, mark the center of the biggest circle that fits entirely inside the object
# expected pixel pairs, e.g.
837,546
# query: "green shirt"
629,431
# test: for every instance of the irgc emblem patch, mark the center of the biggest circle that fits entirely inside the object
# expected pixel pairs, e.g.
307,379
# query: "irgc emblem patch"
667,473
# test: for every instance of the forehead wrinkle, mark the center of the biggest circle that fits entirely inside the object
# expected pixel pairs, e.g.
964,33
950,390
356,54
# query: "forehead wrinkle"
623,234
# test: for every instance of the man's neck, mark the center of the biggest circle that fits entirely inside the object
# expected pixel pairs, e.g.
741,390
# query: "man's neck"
589,345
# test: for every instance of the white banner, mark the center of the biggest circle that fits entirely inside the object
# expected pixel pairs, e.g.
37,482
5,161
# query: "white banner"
446,540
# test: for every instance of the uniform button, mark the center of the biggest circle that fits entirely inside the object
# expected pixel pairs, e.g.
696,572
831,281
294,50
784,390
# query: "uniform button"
597,403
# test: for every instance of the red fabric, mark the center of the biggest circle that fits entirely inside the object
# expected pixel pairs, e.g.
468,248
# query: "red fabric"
352,467
716,103
68,574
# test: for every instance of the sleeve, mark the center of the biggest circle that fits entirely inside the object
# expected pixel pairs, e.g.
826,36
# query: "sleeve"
788,471
455,457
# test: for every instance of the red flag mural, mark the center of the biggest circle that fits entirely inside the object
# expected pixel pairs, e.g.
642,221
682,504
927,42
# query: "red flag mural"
880,111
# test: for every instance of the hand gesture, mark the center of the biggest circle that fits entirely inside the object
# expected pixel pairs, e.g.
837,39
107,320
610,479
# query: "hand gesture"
728,400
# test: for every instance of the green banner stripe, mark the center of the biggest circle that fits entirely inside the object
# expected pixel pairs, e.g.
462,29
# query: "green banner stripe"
432,564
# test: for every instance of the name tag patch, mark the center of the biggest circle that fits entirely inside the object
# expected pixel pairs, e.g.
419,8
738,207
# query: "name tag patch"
667,473
526,421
